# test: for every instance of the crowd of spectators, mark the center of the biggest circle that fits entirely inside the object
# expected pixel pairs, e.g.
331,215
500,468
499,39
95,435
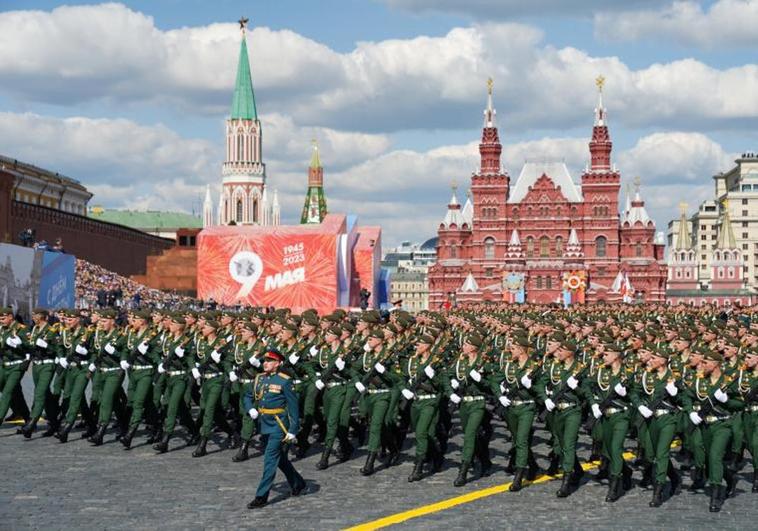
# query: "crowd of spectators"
97,287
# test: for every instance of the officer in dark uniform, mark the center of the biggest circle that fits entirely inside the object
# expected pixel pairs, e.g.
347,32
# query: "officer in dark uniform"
274,402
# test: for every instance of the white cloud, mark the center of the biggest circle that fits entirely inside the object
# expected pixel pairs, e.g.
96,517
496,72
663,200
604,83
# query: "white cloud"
506,9
113,54
724,23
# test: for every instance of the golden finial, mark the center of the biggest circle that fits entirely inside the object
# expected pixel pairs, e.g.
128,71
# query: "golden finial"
490,84
725,204
600,81
683,208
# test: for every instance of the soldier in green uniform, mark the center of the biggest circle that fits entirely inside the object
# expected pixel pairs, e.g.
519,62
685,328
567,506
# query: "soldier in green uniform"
109,347
14,348
275,402
75,354
178,359
748,387
248,352
43,346
425,389
466,385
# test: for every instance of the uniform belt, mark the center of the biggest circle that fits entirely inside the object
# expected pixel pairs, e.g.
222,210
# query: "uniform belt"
109,369
564,405
275,411
211,375
613,410
43,362
521,402
295,382
329,385
141,367
425,397
377,391
12,363
472,398
696,407
176,373
710,419
246,380
661,412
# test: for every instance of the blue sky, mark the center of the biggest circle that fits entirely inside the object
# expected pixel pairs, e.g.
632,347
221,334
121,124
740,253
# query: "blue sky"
130,98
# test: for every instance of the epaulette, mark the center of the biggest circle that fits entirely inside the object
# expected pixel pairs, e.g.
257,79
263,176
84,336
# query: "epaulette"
284,375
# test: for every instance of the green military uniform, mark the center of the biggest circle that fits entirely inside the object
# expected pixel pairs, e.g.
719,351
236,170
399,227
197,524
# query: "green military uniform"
142,356
178,360
247,363
212,366
76,346
14,348
43,346
109,350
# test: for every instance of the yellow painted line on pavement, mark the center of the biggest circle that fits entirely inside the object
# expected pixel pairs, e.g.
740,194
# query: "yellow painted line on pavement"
460,500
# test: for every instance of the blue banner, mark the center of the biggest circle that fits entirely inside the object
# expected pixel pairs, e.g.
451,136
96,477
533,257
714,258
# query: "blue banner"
57,281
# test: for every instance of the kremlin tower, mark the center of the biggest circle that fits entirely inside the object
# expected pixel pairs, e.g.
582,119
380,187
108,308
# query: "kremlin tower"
314,209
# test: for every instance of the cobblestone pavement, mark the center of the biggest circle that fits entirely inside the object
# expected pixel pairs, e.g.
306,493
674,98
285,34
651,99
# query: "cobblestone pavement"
48,485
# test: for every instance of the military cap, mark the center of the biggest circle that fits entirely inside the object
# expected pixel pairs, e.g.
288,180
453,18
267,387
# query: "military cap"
378,334
273,354
521,340
310,319
178,318
141,314
713,355
661,350
350,327
41,311
108,313
5,310
252,327
569,344
369,317
295,319
212,323
332,318
557,337
190,313
475,340
310,311
334,330
290,326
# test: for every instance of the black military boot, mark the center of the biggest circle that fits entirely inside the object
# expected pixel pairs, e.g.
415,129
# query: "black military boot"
368,468
675,478
418,471
597,451
577,474
438,459
52,428
97,439
346,451
162,446
242,453
731,482
518,479
156,435
462,475
755,481
614,489
603,471
698,479
510,468
258,502
565,489
647,475
483,454
715,505
323,463
200,451
126,440
657,495
534,469
90,431
63,432
555,462
29,428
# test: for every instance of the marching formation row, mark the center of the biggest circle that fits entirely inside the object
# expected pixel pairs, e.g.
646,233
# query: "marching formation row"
651,373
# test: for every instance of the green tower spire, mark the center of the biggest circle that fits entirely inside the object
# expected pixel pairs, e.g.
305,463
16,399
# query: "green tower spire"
314,209
243,103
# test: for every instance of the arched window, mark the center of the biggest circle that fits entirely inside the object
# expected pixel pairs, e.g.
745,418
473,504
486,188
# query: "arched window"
600,246
544,247
255,210
638,249
559,246
239,211
453,251
530,247
489,248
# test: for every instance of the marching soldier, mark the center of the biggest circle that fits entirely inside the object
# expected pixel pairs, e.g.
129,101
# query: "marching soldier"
75,357
248,353
14,347
43,345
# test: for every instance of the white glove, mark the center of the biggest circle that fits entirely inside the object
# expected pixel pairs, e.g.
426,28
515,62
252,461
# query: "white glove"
320,385
294,358
429,371
179,351
10,342
671,389
233,377
28,357
339,363
313,350
379,368
289,438
41,343
596,411
16,341
572,382
229,338
455,399
161,370
255,362
502,388
216,356
142,347
504,400
253,413
196,373
366,347
549,404
63,362
109,349
526,381
475,375
57,360
454,383
721,396
91,367
124,364
80,350
695,418
645,411
407,394
361,388
620,389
